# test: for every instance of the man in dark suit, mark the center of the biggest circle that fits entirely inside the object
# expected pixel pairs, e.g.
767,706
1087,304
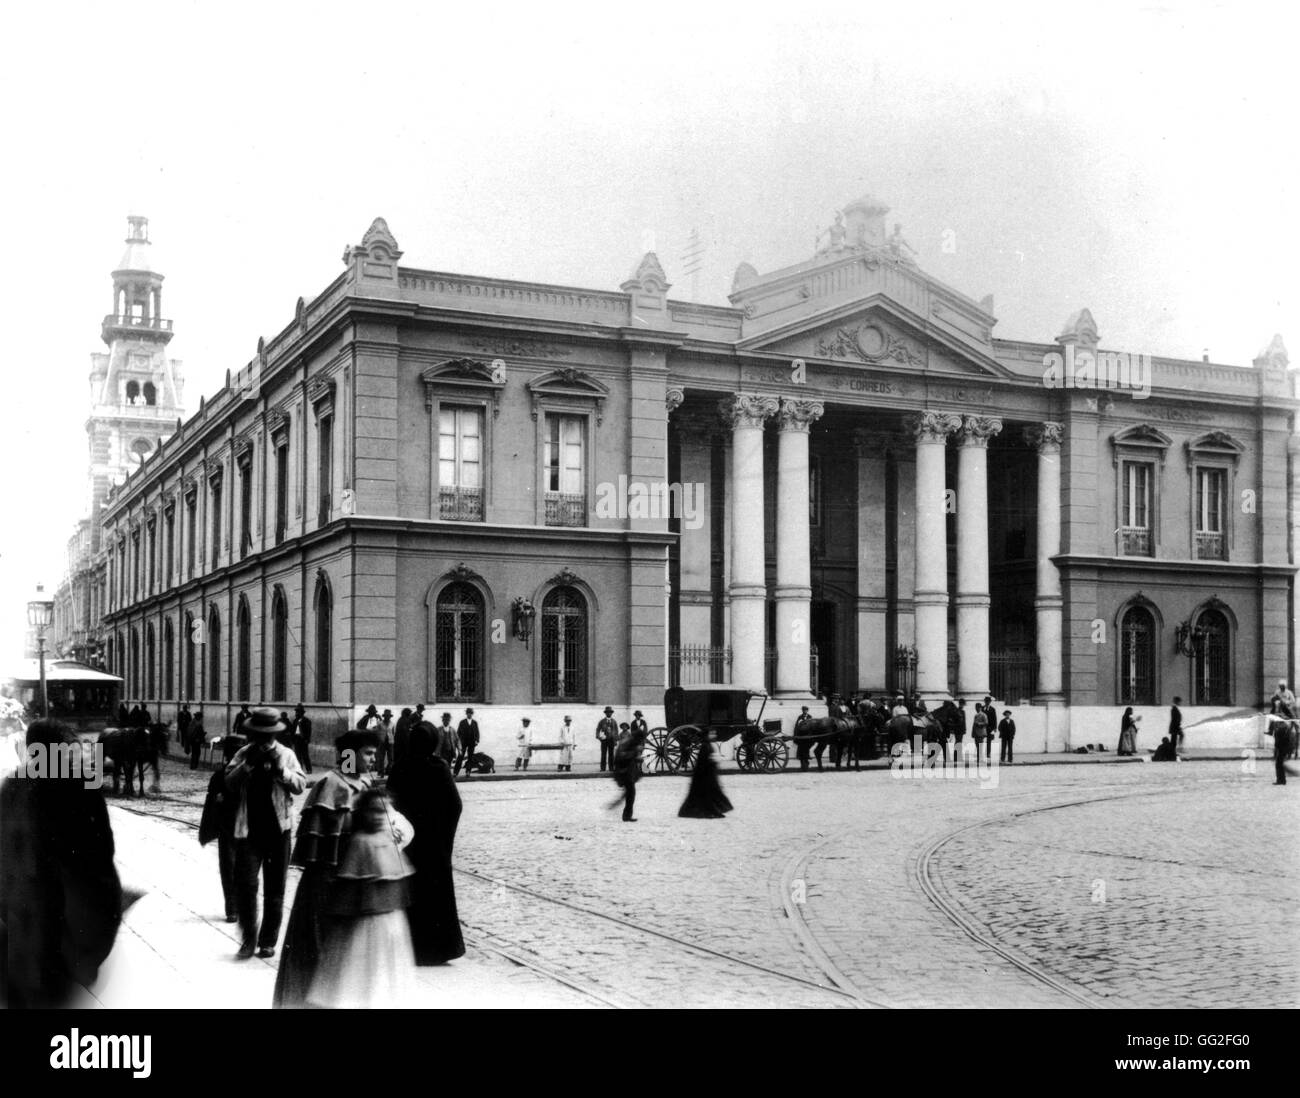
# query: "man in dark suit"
802,747
1007,730
1176,726
467,733
302,737
607,734
244,713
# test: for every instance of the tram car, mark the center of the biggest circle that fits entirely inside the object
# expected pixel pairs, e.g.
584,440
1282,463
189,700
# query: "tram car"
718,712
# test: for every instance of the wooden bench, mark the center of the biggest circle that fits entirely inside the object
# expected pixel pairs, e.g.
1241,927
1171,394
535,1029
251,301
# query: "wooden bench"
544,747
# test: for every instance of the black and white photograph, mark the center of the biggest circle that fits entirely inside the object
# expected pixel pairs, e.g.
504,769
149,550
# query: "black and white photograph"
661,507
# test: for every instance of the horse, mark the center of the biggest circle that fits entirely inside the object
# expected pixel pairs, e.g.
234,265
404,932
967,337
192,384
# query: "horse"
841,733
130,750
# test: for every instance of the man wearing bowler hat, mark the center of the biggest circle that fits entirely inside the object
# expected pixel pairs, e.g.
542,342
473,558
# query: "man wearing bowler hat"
264,775
467,733
607,734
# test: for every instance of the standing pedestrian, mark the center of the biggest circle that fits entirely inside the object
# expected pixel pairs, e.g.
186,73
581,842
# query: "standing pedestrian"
302,737
183,718
265,776
386,731
1176,725
447,743
402,733
982,735
957,725
60,897
237,725
370,716
627,770
607,734
368,959
1284,736
220,809
566,741
523,744
1007,732
424,791
323,830
198,736
468,734
802,747
1128,733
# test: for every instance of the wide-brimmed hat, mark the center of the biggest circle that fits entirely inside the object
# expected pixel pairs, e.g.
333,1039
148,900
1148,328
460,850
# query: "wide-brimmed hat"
608,710
263,721
637,713
1006,712
388,712
371,709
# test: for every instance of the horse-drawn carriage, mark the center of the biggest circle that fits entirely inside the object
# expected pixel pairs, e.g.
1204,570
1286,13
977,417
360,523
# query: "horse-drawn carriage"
717,712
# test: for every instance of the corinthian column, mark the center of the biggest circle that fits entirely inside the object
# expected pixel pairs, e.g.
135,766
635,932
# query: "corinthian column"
793,569
1046,439
745,415
931,430
973,598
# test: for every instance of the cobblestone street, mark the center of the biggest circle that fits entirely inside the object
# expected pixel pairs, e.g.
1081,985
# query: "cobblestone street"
1133,885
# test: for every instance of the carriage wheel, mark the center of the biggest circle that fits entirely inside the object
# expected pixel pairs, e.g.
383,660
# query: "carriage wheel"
745,757
772,755
682,747
654,755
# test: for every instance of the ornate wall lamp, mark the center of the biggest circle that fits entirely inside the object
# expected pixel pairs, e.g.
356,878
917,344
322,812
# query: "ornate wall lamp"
1187,640
522,615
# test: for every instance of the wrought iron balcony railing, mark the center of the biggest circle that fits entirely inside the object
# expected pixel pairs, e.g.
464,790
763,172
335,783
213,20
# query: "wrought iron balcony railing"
460,504
1210,546
565,509
1135,541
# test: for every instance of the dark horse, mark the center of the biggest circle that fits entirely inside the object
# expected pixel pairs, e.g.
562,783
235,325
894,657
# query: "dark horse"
130,751
849,740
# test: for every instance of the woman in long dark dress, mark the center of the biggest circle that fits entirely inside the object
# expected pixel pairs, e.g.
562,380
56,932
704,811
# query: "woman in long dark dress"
705,799
323,830
424,791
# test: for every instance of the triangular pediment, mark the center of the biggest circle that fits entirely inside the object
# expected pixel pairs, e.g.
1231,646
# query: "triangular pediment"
880,332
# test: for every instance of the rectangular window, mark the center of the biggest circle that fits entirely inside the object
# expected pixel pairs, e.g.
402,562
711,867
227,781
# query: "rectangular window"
1135,518
325,467
135,565
245,510
153,556
281,493
460,464
191,527
1210,491
216,521
563,465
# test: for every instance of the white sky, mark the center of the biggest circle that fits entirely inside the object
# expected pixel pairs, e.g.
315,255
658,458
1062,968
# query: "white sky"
1138,161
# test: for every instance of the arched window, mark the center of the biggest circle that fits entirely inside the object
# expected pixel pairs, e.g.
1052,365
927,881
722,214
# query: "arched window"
458,661
1212,664
1137,658
212,644
132,391
324,604
169,659
564,646
150,655
192,654
244,657
150,393
279,646
135,663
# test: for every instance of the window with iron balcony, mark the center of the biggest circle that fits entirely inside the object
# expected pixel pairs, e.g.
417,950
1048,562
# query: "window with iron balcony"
564,468
460,464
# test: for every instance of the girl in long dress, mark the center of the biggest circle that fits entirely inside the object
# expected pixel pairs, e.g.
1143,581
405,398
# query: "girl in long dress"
705,799
368,959
424,791
1128,733
323,831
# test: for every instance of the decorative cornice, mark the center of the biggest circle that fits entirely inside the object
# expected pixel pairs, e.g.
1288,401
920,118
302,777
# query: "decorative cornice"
1215,444
565,577
465,373
933,426
320,391
570,383
277,420
747,410
518,348
977,430
799,415
243,447
464,573
1045,437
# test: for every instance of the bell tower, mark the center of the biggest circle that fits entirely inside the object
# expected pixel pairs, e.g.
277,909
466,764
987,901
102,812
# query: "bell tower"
136,391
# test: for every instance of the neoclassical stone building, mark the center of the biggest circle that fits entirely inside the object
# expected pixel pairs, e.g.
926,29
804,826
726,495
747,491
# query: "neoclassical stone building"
460,490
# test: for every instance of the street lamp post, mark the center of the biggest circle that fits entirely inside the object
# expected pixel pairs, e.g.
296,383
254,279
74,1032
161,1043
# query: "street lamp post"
40,612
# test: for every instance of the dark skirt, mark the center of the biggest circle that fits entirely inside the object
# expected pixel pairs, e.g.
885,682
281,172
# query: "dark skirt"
303,938
435,922
705,799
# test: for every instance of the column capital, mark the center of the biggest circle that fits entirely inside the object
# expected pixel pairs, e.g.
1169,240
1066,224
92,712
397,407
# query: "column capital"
1045,437
747,410
673,398
977,430
799,415
933,426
